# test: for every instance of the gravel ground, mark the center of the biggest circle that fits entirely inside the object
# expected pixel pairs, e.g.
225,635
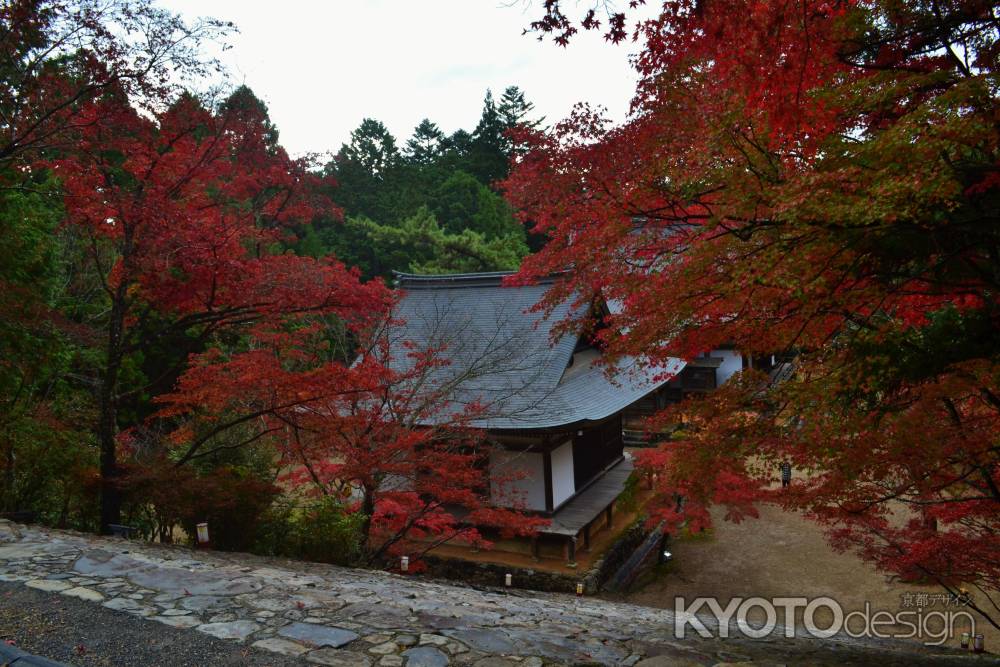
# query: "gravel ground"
780,554
85,634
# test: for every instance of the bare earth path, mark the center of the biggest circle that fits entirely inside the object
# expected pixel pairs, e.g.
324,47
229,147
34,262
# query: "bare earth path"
335,616
783,554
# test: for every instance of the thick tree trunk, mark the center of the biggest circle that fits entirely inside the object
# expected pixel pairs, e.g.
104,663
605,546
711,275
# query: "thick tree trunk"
111,502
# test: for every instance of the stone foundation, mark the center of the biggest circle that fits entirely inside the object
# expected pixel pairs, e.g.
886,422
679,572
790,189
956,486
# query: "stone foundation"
493,574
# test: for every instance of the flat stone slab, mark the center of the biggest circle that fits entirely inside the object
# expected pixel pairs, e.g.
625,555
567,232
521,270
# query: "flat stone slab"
494,661
384,648
334,658
202,602
84,594
318,635
487,641
49,585
176,612
425,656
432,639
281,646
185,622
122,604
375,615
20,550
160,576
238,630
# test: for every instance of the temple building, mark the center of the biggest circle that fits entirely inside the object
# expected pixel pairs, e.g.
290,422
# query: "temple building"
541,393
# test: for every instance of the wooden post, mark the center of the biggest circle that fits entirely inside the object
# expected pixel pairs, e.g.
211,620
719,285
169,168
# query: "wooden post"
586,537
610,513
535,549
571,550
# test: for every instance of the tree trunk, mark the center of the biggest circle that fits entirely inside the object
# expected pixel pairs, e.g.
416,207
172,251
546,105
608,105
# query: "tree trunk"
111,502
367,510
107,426
8,474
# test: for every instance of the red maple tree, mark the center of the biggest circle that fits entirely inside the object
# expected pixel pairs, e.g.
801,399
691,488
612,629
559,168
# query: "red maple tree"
59,55
382,439
817,179
182,216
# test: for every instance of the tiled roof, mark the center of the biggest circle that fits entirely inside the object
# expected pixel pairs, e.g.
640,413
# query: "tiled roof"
503,356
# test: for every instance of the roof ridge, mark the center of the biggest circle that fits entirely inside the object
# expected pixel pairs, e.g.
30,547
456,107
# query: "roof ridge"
483,279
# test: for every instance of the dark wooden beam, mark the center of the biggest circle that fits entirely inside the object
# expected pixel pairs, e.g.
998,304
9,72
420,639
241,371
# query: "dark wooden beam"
547,474
570,550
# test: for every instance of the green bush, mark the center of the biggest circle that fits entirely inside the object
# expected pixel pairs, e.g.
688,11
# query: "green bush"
323,531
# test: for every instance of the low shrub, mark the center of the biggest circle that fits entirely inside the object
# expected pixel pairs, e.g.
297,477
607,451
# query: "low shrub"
323,530
163,497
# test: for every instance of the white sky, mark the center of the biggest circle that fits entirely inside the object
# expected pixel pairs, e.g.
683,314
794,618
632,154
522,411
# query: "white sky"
322,67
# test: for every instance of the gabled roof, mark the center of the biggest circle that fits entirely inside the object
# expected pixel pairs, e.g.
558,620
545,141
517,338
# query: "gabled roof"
502,355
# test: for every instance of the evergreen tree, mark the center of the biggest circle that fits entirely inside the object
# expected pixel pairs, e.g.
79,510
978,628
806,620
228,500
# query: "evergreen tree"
420,244
363,169
458,145
372,148
488,161
515,111
381,188
461,202
426,144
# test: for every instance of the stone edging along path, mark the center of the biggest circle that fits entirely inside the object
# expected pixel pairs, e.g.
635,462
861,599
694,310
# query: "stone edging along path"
327,615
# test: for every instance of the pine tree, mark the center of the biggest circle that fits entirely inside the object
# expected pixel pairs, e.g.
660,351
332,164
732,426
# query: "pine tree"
363,169
488,159
373,148
514,111
426,145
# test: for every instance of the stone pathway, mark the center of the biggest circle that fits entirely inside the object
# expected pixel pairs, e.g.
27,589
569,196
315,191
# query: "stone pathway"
325,615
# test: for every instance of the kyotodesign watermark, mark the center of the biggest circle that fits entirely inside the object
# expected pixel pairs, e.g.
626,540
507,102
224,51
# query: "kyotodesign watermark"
821,617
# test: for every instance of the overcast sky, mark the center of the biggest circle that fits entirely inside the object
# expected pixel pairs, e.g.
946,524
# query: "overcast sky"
322,67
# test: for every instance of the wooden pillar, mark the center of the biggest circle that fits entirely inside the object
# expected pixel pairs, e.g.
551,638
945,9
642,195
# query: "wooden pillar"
586,537
570,549
547,474
535,549
610,513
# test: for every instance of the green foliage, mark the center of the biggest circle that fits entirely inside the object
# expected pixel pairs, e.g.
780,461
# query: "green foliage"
426,144
488,159
44,455
366,170
419,244
515,109
628,500
461,202
386,195
324,531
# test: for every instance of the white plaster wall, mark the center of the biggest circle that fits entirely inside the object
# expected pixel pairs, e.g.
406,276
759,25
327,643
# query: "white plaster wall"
563,485
528,490
732,361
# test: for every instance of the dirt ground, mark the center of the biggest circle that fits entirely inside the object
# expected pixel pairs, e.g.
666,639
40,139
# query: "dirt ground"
783,554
